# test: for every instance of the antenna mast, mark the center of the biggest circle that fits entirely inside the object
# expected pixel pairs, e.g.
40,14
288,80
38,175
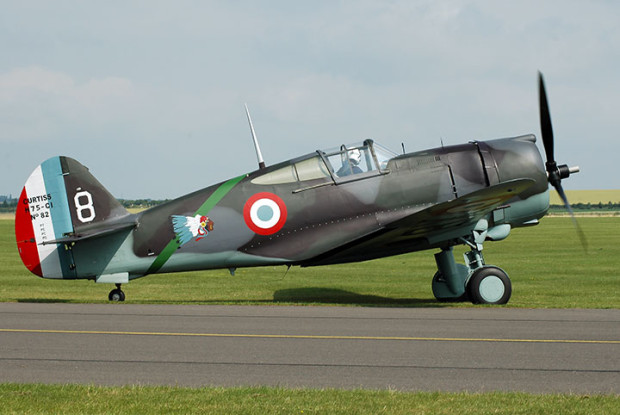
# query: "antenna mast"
259,156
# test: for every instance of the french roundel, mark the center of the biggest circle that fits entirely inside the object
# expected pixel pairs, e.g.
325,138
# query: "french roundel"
264,213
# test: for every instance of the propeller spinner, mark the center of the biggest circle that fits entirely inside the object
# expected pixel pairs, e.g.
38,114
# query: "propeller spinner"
555,173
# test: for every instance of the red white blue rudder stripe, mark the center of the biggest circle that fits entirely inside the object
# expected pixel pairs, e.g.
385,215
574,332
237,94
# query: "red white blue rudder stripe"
43,215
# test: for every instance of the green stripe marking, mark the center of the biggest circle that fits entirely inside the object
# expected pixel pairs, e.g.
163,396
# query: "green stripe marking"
208,204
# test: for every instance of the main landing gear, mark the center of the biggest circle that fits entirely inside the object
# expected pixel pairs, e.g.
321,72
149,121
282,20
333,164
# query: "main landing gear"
475,281
483,285
116,294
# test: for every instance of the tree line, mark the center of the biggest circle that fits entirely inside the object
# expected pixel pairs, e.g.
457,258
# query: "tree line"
600,206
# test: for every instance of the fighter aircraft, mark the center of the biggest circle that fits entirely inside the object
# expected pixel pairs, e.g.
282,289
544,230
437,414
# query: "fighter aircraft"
352,203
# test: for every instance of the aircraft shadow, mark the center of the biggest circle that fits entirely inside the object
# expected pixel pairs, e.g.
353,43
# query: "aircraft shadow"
322,295
42,300
302,295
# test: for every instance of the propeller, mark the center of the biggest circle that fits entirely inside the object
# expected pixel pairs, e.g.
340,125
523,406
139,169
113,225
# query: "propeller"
555,173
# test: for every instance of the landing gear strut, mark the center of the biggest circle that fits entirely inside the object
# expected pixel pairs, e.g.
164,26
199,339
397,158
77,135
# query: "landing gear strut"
475,281
449,281
116,294
478,283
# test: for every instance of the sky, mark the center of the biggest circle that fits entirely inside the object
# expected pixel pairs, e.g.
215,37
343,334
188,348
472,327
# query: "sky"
149,95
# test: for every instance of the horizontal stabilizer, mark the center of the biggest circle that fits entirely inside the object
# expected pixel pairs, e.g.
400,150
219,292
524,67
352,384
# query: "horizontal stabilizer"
103,230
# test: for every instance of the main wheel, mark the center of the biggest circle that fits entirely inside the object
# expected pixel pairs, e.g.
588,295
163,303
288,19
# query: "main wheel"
116,295
489,285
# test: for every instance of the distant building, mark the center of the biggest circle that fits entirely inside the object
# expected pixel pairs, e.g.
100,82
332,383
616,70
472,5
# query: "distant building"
7,199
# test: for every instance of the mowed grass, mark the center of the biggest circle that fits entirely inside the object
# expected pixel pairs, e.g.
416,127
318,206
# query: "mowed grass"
70,399
546,263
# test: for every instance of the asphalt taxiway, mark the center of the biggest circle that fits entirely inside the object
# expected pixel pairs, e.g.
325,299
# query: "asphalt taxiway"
432,349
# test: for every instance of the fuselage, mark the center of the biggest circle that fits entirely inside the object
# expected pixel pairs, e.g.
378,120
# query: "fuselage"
321,208
324,211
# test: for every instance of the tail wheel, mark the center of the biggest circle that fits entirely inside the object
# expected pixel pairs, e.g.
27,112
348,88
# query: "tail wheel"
489,285
116,295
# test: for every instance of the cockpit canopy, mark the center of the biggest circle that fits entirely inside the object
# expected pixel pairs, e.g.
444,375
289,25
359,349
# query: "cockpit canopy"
357,158
343,163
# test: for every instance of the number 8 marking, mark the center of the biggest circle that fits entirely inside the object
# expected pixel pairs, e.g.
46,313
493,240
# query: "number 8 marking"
81,207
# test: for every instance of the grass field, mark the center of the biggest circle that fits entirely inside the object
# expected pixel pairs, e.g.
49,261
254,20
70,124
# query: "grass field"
68,399
548,269
546,263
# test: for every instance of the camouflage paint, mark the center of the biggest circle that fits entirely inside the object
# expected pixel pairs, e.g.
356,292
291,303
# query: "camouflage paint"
203,210
421,200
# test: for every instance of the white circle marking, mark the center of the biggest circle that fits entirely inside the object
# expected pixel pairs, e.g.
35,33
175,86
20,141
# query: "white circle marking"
265,224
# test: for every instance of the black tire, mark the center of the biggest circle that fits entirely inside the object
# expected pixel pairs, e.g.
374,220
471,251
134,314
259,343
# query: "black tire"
489,285
116,295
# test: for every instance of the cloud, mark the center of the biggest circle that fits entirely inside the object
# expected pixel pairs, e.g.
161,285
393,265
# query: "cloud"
80,76
36,102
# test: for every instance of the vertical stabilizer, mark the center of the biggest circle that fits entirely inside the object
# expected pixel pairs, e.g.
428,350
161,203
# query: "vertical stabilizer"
60,199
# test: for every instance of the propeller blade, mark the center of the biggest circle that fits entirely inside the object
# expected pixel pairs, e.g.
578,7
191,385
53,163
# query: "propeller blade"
582,236
545,119
556,173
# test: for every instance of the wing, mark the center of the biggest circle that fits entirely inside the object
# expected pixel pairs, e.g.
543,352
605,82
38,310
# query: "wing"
426,228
